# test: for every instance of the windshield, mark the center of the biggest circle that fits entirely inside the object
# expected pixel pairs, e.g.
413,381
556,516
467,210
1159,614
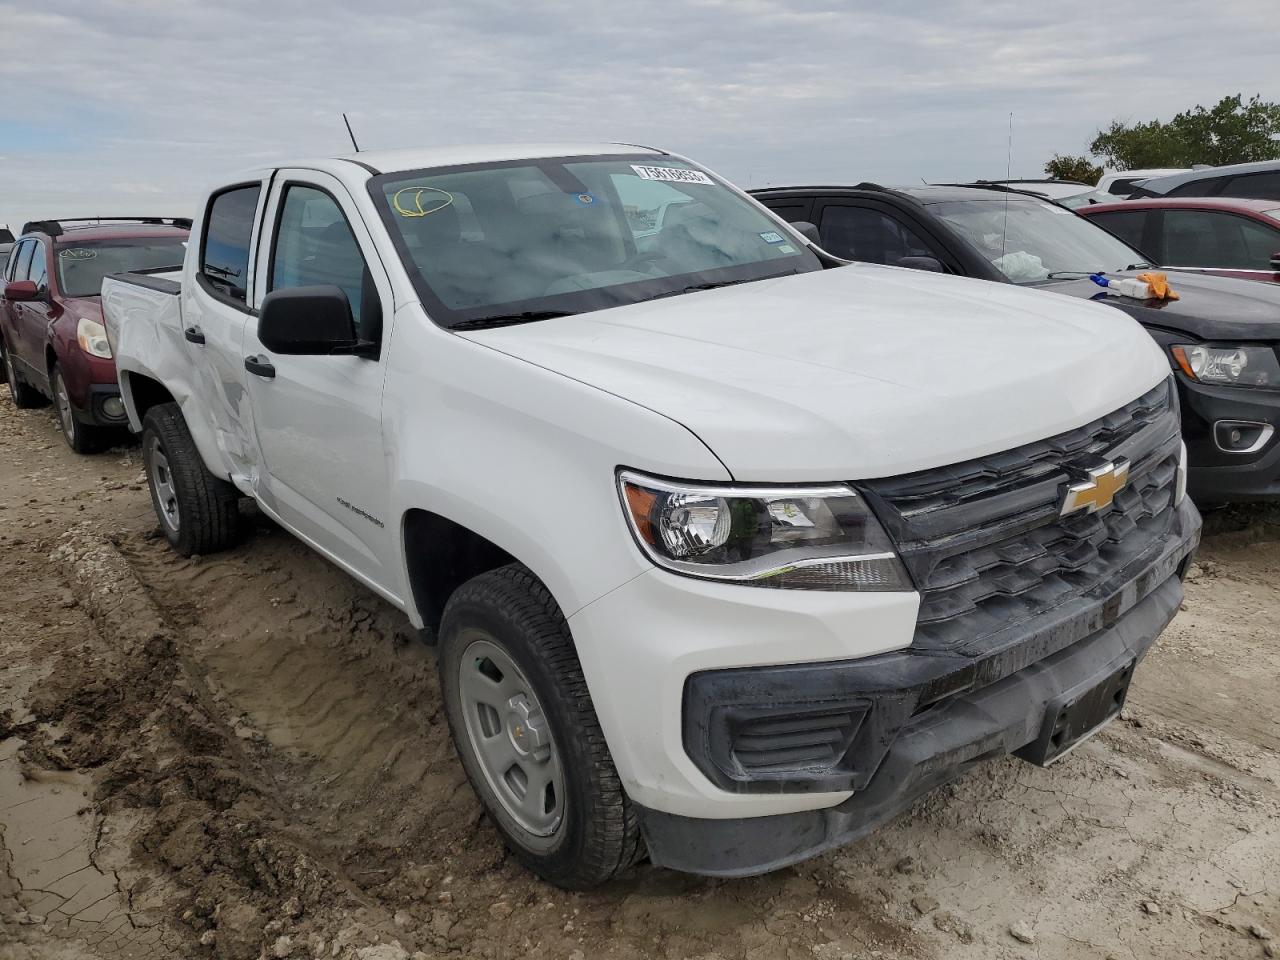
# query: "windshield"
1030,241
509,242
82,266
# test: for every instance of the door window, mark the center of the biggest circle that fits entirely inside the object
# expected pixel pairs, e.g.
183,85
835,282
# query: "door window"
861,233
314,245
1205,238
224,256
1127,225
39,270
22,260
1258,186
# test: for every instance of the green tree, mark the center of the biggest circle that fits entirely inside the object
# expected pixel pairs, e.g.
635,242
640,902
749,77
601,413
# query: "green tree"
1072,168
1231,131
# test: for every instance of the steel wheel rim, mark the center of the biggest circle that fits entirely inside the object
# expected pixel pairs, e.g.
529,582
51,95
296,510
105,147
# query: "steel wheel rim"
161,478
510,739
66,417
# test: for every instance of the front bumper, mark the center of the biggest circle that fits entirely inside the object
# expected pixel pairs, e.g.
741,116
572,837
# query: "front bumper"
929,718
1217,476
104,407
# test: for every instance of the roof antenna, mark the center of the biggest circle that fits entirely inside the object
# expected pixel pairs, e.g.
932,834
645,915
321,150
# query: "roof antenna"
1008,176
350,134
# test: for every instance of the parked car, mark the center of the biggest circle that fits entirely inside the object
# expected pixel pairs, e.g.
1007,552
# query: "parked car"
723,551
1254,181
1121,183
51,334
1223,236
1220,338
6,242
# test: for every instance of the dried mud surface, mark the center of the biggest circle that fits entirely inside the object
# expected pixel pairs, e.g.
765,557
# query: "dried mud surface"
246,755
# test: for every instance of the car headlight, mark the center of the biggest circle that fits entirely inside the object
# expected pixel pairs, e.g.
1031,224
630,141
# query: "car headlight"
92,337
800,538
1238,366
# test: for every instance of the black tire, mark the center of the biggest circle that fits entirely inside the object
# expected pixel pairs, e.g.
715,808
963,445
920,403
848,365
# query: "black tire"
83,438
598,834
25,396
198,512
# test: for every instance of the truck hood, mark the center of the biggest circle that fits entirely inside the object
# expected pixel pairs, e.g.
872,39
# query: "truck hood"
857,372
1208,308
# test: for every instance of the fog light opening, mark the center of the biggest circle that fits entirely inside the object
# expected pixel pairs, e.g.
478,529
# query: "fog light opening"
113,407
1241,436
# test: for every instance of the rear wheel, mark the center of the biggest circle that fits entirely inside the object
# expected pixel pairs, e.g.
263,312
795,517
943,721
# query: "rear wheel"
527,733
24,395
198,512
80,437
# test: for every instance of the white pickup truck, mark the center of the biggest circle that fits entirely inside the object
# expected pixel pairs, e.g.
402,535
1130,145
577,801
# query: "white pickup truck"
731,550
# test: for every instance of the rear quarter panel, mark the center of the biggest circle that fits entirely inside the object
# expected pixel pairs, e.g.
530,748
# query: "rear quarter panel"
144,327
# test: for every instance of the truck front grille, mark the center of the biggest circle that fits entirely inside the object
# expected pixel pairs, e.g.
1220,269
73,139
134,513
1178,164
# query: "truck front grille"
986,544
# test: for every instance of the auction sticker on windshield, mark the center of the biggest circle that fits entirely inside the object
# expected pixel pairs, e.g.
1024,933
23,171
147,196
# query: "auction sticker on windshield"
673,174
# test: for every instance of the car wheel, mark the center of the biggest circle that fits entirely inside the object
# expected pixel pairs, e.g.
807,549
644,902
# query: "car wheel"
25,396
198,512
80,437
527,733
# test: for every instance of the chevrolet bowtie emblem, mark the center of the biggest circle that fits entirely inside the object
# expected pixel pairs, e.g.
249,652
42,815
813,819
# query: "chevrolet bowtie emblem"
1099,490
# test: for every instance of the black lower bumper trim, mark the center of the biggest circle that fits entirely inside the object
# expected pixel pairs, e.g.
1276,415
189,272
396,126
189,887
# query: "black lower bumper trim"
936,746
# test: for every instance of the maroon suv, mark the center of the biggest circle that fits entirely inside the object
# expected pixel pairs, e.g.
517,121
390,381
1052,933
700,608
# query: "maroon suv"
51,334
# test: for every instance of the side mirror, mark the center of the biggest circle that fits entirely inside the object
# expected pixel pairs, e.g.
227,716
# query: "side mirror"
312,321
808,230
21,290
932,264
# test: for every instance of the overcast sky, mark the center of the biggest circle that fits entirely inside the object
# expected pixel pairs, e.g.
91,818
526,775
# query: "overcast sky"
133,106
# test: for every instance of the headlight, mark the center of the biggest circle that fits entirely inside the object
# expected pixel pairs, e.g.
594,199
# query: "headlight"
801,538
92,337
1239,366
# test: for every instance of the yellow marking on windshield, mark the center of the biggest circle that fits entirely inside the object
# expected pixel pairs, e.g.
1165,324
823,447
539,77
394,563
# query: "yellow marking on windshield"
417,210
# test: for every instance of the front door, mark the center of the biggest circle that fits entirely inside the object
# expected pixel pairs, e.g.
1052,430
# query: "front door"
318,418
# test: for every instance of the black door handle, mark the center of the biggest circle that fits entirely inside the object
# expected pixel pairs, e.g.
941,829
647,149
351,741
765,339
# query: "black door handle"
260,367
193,335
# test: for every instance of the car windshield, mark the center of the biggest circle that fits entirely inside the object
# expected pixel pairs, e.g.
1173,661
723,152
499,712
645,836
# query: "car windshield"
82,266
1031,241
498,243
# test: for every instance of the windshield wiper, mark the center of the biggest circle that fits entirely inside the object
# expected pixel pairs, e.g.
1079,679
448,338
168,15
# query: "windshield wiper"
509,319
694,288
1081,274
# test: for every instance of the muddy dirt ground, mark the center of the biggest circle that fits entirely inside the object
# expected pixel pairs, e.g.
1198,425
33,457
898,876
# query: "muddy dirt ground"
246,755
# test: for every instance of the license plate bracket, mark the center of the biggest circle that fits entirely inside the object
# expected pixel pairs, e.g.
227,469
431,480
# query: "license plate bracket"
1076,715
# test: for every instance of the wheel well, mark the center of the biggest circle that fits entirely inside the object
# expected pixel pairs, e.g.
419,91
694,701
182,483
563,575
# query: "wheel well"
442,556
50,358
146,393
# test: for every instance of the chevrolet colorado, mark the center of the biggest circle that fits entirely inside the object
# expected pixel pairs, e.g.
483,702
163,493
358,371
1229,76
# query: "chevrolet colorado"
731,550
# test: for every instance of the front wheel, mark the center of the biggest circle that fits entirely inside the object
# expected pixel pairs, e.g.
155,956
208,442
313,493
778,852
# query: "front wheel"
80,437
198,512
527,733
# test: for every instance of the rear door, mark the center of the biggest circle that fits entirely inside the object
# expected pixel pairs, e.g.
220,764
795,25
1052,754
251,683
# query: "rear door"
10,310
215,312
318,418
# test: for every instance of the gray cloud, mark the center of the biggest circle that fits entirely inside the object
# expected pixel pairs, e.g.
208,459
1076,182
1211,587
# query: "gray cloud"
134,106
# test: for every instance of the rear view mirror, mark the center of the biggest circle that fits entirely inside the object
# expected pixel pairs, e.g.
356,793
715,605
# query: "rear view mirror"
932,264
21,290
310,321
808,231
